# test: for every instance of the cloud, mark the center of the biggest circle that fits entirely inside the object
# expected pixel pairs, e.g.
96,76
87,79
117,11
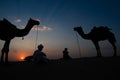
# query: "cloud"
18,20
42,28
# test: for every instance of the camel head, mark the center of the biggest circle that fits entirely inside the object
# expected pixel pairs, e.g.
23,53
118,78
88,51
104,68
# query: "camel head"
78,29
34,22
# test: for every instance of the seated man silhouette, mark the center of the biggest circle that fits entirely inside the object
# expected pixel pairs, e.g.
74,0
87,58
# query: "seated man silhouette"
66,54
39,56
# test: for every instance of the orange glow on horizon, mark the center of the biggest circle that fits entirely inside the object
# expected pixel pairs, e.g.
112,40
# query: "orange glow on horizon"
22,58
22,55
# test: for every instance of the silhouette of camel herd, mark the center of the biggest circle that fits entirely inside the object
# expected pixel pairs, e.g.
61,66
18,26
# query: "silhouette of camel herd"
8,31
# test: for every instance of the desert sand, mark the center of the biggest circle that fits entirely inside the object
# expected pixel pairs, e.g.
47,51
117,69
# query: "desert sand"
92,68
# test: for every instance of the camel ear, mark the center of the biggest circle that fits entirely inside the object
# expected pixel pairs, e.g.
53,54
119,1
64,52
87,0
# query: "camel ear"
4,19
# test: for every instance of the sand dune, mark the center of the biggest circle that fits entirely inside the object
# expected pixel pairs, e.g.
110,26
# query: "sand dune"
83,68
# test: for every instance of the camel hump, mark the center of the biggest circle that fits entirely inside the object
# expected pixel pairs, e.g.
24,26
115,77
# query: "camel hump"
4,21
100,29
104,28
5,24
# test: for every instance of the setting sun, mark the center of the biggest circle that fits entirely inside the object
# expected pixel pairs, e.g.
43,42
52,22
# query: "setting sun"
21,57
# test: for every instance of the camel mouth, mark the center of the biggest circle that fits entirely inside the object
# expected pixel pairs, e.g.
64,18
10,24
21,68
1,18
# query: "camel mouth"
38,23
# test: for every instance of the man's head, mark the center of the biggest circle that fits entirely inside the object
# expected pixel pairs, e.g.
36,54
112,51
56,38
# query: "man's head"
40,47
66,49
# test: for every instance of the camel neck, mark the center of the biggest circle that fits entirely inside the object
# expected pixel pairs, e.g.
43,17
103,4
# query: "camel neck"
25,31
83,35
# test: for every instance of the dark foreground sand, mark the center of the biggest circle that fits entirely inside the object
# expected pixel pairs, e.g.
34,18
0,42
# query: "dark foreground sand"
76,69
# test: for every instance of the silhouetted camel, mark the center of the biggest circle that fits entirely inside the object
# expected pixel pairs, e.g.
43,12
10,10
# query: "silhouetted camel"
98,34
9,31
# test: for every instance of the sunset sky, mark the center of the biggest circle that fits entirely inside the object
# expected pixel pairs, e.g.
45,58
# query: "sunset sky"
57,20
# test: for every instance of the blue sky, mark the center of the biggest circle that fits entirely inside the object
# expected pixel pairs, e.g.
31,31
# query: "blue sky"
58,17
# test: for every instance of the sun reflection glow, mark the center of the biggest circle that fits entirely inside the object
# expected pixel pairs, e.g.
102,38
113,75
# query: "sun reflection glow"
22,58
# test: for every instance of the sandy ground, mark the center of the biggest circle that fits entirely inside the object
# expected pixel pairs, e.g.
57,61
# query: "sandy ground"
76,69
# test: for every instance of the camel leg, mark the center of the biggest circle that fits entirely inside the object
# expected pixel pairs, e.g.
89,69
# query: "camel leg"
97,48
114,47
2,55
5,51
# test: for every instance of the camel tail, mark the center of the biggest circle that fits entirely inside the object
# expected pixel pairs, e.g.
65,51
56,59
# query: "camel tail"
112,37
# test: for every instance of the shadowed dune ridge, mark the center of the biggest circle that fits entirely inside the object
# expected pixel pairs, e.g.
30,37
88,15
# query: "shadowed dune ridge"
83,68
